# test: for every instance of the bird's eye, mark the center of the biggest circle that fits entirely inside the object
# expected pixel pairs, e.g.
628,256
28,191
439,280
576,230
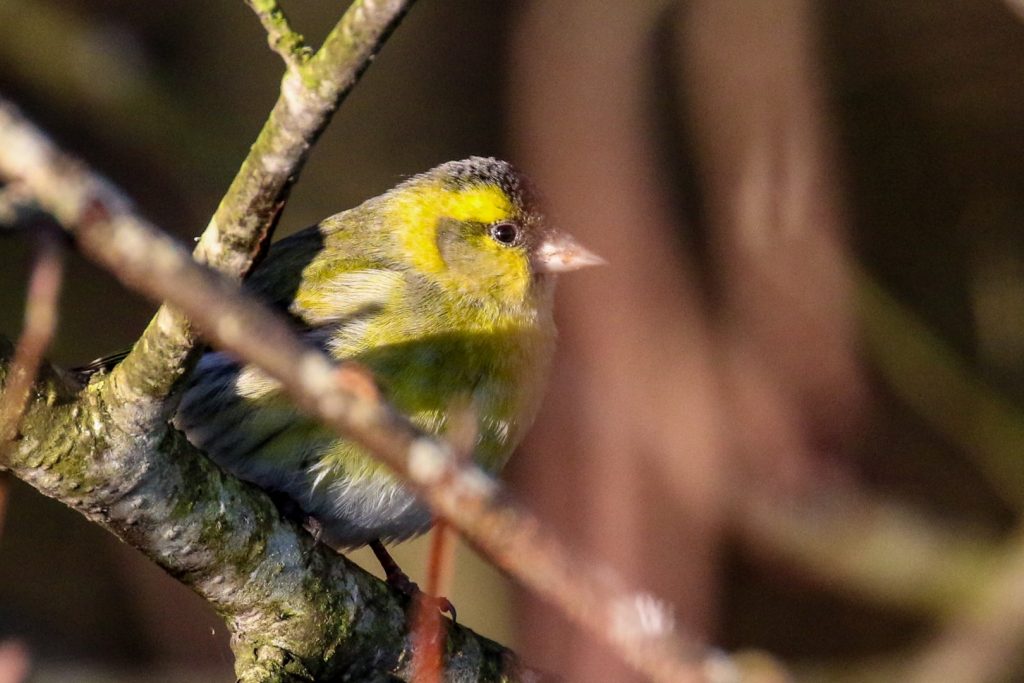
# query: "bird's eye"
505,233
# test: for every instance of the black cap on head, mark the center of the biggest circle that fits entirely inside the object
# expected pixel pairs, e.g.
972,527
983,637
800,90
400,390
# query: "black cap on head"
488,171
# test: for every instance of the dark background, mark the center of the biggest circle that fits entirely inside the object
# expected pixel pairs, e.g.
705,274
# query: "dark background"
812,214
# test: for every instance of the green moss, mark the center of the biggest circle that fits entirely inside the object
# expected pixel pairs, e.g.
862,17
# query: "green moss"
65,444
217,533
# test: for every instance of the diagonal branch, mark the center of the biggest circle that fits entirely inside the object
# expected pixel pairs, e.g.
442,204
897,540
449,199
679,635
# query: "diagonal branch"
878,551
296,610
928,375
638,627
247,214
982,641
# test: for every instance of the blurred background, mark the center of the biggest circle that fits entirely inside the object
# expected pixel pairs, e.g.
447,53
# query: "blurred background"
793,402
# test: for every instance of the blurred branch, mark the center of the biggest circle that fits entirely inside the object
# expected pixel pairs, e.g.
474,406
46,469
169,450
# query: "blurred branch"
874,549
14,662
87,69
40,323
940,386
638,627
18,209
983,641
280,36
980,641
1017,7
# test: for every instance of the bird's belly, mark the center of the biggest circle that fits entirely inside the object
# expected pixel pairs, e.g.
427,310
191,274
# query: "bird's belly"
251,430
244,422
353,511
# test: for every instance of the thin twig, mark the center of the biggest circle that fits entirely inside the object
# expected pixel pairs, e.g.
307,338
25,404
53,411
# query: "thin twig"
247,214
869,548
283,40
40,323
309,96
639,627
928,375
427,663
441,560
428,643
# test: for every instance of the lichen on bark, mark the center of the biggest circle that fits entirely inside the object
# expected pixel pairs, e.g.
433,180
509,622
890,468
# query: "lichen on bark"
296,609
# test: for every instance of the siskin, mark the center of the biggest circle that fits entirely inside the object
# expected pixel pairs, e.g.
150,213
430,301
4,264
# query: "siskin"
442,287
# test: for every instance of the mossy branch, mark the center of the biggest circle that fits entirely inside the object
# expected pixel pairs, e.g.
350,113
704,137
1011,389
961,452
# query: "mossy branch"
296,611
639,627
281,37
311,90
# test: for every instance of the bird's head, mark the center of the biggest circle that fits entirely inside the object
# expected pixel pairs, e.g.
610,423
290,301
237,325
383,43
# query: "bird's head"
473,226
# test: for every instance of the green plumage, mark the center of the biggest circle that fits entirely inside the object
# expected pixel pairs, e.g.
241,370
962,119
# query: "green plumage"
438,289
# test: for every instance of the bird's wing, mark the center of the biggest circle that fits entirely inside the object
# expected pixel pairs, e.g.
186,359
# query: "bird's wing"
278,277
326,284
102,364
317,287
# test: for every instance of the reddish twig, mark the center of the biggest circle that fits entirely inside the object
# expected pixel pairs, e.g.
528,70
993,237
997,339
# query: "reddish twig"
440,560
428,625
14,662
427,663
40,323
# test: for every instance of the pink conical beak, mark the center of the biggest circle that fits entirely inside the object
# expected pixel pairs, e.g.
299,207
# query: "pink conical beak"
560,253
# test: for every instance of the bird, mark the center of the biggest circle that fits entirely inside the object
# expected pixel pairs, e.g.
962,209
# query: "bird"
442,288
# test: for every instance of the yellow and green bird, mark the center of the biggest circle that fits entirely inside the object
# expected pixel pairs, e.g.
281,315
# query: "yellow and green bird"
442,287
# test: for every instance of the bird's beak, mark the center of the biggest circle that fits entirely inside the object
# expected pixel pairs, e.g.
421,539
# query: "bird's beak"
560,253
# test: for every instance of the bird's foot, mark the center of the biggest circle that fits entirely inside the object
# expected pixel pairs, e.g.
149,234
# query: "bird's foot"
400,581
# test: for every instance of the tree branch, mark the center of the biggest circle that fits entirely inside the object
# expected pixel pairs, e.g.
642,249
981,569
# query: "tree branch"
283,40
876,550
150,486
40,323
297,610
930,377
246,216
637,626
982,641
